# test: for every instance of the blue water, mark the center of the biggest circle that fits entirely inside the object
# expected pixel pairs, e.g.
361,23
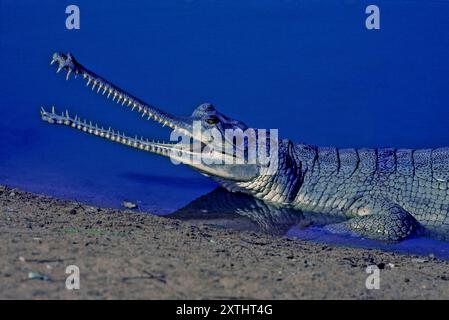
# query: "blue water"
309,68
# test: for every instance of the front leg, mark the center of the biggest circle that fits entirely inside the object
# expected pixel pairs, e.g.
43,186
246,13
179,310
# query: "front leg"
388,222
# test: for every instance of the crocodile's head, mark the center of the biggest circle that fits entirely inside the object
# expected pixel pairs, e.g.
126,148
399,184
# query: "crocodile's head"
201,140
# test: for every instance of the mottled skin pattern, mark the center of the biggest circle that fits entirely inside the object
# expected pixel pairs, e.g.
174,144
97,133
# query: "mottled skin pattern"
386,194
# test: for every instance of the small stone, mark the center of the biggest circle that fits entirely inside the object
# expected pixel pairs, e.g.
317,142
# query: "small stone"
73,211
129,205
38,276
419,260
22,259
391,265
12,194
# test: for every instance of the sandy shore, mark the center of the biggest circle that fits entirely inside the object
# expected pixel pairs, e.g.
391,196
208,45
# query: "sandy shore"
128,255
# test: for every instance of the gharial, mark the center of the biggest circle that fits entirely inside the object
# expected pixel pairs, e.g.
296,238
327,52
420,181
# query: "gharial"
385,193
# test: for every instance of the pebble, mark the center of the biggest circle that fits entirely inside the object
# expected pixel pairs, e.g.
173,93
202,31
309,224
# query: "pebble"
419,260
129,205
22,259
38,276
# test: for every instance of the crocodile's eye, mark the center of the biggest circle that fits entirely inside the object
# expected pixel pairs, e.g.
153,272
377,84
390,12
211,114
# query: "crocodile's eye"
212,120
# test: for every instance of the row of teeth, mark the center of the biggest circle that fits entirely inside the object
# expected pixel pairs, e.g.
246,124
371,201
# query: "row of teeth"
109,134
124,99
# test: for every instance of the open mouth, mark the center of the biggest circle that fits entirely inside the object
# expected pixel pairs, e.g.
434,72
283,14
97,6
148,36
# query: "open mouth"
110,91
202,153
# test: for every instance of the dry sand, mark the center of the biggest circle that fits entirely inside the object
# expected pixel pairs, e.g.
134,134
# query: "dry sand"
128,255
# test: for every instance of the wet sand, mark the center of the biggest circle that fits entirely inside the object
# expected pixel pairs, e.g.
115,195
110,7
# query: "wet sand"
130,255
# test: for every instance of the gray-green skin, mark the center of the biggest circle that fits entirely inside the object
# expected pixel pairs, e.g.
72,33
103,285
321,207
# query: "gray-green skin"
386,194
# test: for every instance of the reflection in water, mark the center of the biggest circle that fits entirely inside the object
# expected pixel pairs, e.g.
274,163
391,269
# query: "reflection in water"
237,211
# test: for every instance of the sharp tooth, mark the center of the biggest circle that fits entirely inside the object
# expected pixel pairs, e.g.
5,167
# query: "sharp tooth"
115,95
149,117
85,75
124,100
68,74
52,61
94,84
88,81
53,109
99,87
129,102
43,110
67,113
109,93
59,69
104,90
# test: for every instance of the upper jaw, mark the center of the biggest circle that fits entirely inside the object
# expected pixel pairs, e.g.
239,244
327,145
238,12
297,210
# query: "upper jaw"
69,64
